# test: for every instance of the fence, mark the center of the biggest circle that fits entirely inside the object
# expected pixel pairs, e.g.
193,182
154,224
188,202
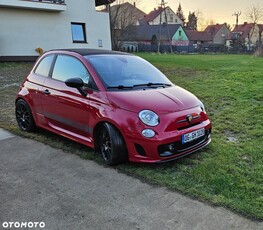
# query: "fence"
205,48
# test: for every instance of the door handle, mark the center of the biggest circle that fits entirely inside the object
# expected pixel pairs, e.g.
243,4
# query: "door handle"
46,91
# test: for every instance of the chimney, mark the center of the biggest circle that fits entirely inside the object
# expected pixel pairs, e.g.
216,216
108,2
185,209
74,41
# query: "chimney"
134,4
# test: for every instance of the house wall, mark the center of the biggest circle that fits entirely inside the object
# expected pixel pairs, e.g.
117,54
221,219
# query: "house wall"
254,36
180,38
23,30
221,36
172,18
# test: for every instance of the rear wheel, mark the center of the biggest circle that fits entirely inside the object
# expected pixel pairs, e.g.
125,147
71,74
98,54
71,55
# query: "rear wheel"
24,116
112,146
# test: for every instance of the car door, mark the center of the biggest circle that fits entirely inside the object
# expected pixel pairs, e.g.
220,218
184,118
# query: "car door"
34,85
65,109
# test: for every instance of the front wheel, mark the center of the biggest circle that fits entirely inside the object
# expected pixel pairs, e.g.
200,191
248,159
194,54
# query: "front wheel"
24,116
112,146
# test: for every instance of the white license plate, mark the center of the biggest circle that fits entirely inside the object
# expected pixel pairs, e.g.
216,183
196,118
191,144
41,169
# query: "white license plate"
193,135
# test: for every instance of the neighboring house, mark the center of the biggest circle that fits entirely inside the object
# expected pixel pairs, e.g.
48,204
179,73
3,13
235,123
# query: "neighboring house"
152,35
197,38
219,33
123,15
248,34
158,15
31,26
260,27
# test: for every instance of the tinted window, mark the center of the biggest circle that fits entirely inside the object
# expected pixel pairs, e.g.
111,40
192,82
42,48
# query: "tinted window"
43,67
69,67
122,70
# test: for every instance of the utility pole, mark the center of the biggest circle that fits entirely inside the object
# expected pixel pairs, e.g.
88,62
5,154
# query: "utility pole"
237,14
166,24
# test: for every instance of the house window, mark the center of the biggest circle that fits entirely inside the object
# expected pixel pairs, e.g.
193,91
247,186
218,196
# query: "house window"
180,33
78,32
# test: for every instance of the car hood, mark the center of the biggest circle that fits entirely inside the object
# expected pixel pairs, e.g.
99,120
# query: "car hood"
166,100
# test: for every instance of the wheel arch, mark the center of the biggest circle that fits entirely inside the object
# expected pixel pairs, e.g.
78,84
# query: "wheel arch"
97,128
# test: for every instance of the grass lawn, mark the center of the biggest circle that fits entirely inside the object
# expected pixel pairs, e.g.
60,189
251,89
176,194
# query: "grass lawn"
229,172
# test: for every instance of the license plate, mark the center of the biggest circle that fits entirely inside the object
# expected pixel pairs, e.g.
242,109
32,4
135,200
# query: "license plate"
193,135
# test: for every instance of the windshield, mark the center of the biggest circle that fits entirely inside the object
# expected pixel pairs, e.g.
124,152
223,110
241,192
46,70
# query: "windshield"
119,72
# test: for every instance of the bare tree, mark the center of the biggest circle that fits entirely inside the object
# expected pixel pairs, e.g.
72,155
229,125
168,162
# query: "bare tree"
254,14
123,14
202,23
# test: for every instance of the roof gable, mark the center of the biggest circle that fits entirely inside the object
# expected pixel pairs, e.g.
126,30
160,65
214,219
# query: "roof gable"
260,26
127,6
198,36
213,29
154,14
103,2
146,32
244,28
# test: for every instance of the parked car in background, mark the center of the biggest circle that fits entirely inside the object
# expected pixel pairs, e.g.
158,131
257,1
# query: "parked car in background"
114,102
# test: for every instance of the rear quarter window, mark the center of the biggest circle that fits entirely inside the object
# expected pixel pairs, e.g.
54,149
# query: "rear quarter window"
43,67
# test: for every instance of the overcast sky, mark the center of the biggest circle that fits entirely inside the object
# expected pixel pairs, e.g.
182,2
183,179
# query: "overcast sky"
219,11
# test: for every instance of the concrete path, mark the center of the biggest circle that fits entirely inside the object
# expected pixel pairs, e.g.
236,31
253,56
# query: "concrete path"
42,184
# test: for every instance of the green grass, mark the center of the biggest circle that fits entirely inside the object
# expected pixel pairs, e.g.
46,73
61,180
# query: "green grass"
229,172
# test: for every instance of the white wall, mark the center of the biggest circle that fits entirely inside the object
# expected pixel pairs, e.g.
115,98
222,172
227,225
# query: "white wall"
169,13
24,30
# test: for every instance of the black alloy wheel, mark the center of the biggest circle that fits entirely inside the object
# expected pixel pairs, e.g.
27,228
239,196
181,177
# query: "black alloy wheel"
112,145
24,116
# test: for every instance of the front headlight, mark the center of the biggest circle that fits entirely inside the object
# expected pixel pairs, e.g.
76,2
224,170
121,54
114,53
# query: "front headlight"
202,106
149,117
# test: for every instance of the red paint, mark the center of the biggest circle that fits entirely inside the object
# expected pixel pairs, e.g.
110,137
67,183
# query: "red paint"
66,112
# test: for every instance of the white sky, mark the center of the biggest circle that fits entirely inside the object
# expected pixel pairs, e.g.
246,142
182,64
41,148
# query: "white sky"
219,11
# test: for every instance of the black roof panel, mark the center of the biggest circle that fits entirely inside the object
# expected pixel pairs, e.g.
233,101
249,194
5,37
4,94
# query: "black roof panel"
85,52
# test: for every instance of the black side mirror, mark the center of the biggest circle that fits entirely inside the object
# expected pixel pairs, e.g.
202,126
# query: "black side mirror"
76,83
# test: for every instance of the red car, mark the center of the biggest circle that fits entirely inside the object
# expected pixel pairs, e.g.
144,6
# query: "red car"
114,102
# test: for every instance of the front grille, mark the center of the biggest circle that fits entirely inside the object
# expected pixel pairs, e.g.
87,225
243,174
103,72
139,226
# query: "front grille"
188,126
174,148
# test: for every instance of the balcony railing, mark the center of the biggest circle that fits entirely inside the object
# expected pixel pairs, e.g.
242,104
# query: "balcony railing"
50,1
46,5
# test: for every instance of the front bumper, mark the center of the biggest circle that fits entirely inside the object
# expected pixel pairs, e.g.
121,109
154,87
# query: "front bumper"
167,146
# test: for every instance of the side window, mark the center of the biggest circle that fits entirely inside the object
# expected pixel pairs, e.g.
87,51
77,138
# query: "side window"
69,67
43,67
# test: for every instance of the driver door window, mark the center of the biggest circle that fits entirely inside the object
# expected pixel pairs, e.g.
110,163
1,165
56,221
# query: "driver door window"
69,67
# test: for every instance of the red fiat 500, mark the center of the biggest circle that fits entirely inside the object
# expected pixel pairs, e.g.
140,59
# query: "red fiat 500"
114,102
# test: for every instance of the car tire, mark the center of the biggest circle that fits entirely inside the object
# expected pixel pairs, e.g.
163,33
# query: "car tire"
111,145
24,116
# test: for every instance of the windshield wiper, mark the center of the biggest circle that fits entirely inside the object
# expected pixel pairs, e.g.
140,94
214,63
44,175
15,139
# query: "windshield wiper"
150,84
120,87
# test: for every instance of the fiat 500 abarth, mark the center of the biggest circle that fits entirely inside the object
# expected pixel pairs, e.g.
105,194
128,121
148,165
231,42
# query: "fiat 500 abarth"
114,102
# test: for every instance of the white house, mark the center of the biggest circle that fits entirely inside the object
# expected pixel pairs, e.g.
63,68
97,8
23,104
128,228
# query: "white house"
29,26
159,15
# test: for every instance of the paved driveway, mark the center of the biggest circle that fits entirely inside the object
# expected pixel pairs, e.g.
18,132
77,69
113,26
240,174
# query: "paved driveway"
42,184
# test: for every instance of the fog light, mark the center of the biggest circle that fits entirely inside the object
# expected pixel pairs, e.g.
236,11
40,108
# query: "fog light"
171,147
149,133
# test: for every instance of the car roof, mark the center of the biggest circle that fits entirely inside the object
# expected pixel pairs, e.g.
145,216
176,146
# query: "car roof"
86,52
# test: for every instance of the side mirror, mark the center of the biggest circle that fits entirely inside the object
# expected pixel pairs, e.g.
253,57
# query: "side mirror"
76,83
